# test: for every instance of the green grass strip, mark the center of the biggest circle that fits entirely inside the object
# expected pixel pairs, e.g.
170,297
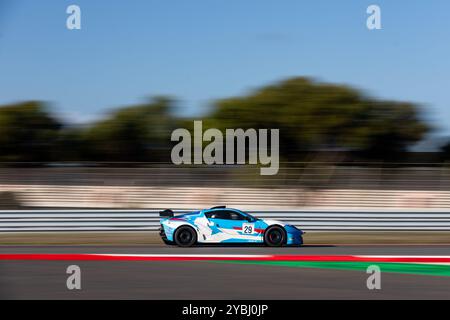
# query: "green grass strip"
406,268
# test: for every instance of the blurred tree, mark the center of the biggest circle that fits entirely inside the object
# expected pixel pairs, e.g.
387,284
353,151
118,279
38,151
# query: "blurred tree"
311,116
27,133
315,116
445,152
135,134
71,145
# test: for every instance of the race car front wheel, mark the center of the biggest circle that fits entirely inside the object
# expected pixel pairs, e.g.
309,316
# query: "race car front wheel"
275,236
185,236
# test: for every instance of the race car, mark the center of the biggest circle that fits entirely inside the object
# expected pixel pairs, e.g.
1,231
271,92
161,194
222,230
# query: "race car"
225,225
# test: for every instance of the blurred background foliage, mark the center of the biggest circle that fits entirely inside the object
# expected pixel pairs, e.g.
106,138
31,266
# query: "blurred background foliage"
313,118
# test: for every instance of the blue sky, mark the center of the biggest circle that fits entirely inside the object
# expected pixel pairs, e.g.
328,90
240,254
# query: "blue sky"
201,50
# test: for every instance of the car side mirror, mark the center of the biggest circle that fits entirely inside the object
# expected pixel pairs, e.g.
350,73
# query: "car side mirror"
249,219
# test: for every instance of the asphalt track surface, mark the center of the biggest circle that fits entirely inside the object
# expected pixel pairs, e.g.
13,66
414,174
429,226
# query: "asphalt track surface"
212,280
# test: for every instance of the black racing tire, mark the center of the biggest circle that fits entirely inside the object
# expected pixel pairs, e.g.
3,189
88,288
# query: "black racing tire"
185,236
275,236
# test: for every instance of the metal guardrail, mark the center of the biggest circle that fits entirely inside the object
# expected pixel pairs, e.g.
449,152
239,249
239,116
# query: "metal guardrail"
148,220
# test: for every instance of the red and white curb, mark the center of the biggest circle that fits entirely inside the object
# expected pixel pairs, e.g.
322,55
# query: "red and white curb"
230,257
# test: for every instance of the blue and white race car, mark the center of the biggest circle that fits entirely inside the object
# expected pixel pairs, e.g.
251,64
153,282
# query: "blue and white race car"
225,225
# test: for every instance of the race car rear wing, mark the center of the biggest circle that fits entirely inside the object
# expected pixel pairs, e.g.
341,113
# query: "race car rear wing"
166,213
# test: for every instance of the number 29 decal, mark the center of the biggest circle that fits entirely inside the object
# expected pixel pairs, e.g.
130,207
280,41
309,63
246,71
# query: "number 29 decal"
248,228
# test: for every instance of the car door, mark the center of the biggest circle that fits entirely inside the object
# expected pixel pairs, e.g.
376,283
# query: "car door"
227,221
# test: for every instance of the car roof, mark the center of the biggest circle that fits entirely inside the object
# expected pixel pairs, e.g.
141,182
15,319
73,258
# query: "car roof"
221,208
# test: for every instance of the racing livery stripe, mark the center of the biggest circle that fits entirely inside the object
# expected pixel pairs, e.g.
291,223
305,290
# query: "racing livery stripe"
256,229
177,219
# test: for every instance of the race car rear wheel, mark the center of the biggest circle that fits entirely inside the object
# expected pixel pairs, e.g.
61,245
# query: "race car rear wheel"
275,236
185,236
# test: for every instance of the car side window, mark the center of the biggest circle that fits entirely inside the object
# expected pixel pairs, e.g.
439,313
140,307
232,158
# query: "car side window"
236,216
221,214
224,214
209,214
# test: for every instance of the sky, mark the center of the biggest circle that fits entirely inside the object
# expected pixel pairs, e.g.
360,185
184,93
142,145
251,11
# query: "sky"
201,50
